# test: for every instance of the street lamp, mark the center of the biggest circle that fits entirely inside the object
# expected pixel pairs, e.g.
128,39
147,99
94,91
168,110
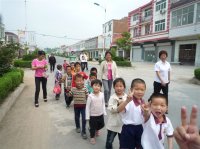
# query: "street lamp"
97,4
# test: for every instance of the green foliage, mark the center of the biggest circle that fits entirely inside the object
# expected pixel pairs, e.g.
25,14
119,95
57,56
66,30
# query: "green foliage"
113,51
22,63
7,54
197,73
117,58
124,42
123,63
9,81
31,56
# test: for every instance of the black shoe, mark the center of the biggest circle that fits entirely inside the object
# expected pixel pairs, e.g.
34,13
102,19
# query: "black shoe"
36,105
45,100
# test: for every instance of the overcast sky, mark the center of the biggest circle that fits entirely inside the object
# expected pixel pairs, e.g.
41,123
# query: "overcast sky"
75,19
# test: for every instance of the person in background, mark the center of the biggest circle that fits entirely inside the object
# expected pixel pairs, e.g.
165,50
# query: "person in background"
162,78
156,124
67,86
95,110
58,78
80,94
132,117
72,68
65,64
108,71
93,70
52,62
40,65
187,134
83,59
93,76
114,123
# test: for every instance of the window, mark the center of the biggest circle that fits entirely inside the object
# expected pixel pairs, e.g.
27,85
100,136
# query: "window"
198,12
160,25
147,29
109,27
105,29
135,32
147,13
183,16
135,17
160,5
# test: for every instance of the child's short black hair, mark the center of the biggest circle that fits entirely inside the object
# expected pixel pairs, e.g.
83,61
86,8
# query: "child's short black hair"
93,69
68,66
77,63
157,95
72,63
93,74
119,80
59,66
162,52
136,81
96,81
78,75
40,52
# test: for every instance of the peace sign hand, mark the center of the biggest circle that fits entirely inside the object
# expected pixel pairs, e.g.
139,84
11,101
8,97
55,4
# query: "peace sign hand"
187,135
130,96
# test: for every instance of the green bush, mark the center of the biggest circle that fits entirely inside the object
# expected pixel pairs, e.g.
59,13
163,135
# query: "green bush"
117,58
22,63
197,73
29,57
9,81
123,63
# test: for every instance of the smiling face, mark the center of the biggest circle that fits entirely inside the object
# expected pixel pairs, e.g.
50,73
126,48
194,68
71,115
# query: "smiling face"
108,57
119,88
96,88
79,82
158,106
139,90
78,68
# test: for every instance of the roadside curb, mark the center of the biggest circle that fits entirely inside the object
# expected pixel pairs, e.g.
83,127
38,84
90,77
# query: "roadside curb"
10,100
195,81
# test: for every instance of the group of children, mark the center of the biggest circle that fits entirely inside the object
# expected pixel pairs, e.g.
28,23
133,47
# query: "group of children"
137,124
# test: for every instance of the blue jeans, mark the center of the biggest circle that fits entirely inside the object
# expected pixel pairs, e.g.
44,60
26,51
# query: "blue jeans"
107,85
77,113
110,138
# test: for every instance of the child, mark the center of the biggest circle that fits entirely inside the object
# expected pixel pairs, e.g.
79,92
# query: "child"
114,124
132,116
78,70
95,109
65,64
80,95
58,78
93,76
72,68
93,70
156,125
67,86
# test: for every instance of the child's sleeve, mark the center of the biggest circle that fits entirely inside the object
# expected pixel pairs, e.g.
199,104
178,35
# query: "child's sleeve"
104,106
112,105
170,129
86,92
88,108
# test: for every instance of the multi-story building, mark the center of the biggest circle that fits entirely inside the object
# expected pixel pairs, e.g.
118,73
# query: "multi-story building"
149,28
185,29
112,30
11,37
2,29
91,47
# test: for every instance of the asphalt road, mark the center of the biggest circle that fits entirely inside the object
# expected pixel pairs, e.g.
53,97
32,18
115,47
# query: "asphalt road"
51,126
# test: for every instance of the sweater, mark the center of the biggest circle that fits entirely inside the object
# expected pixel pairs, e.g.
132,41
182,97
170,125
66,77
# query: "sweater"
104,70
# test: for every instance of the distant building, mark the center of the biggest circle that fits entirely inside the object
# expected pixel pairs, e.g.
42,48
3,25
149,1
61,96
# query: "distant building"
11,37
149,28
185,29
2,29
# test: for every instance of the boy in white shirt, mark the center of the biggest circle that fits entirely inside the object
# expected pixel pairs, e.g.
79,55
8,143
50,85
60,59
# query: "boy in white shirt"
95,110
156,124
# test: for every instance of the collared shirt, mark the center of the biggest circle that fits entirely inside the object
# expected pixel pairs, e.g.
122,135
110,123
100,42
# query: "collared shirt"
133,113
163,68
154,132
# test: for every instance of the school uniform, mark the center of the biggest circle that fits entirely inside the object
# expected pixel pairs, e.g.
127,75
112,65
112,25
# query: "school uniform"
132,129
153,136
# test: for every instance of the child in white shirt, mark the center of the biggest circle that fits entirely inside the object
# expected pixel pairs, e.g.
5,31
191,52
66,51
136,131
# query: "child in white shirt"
114,123
156,125
95,110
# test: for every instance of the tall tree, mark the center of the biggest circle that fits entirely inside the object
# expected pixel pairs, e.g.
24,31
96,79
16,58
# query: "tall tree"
124,42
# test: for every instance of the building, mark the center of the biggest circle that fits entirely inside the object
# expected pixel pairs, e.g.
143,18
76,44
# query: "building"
11,38
91,47
149,27
185,30
2,29
112,31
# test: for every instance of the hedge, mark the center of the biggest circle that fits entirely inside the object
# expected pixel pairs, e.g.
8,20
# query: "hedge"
9,81
123,63
197,73
22,63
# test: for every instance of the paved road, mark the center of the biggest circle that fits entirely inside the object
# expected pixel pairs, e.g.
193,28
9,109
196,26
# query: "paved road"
51,126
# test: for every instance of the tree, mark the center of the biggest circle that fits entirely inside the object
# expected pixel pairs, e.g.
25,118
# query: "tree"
124,42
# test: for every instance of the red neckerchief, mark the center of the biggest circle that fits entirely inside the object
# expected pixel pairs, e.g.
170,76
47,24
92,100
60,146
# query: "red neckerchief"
137,102
160,123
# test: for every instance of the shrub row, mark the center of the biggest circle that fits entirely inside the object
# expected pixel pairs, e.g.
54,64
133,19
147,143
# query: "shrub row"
197,73
123,63
9,81
22,63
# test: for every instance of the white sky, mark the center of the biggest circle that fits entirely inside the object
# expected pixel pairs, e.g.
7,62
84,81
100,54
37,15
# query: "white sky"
76,19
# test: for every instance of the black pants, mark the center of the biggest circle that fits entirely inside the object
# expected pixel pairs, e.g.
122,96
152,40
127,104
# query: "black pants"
37,87
52,67
83,66
96,123
68,99
158,87
110,138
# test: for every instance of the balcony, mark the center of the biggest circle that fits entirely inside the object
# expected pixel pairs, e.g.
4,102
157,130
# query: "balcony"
177,3
146,19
